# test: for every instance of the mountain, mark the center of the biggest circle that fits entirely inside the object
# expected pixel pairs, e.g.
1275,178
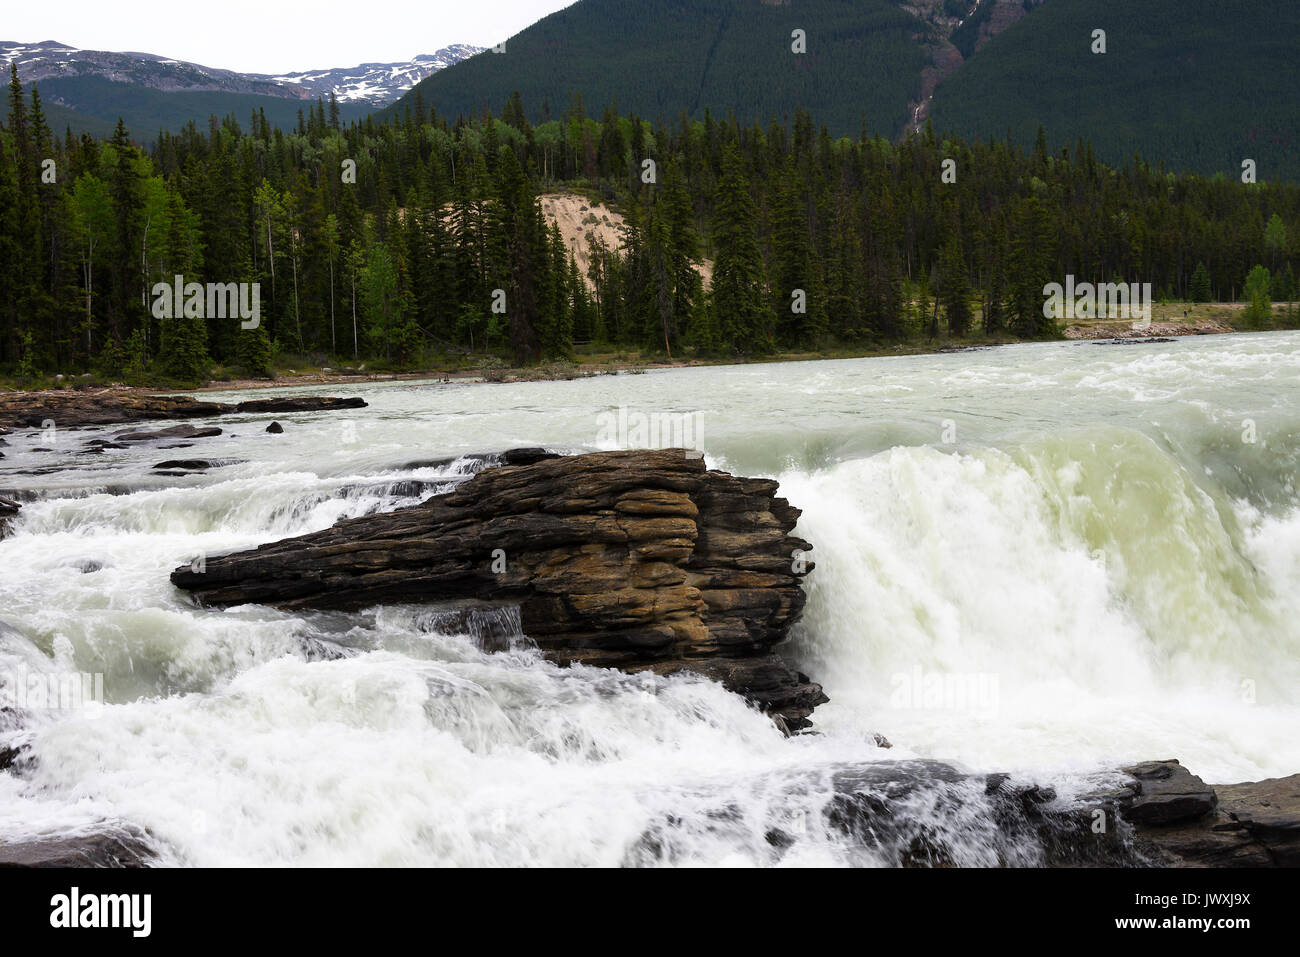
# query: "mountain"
377,84
863,62
90,89
1198,85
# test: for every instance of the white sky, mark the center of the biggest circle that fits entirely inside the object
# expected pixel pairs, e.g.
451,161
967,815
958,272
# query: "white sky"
269,36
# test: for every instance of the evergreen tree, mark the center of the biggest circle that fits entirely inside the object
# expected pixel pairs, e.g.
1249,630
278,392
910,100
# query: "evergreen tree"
1032,256
737,296
1199,288
954,288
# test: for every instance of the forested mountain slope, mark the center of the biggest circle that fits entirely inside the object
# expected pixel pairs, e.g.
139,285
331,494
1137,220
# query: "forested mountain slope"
863,62
1199,86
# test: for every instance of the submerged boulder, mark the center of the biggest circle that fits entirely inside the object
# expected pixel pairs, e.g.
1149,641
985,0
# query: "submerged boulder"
8,514
109,846
639,560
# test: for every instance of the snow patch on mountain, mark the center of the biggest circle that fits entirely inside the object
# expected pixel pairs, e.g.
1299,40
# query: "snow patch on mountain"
377,84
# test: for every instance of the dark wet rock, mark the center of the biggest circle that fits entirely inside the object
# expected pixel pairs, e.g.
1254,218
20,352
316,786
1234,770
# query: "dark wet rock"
302,403
526,456
117,847
88,566
174,432
275,428
899,812
1167,792
197,465
9,510
915,814
12,754
924,813
9,757
1133,341
68,409
493,627
472,463
315,648
629,560
396,488
110,407
1179,821
42,449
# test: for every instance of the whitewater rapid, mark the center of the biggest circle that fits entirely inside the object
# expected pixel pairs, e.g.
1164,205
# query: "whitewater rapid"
1048,560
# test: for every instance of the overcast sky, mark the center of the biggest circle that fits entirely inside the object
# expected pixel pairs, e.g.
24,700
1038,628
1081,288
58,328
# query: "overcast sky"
270,36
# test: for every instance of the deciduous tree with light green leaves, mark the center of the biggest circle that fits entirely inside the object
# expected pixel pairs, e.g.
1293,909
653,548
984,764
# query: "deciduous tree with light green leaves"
1259,308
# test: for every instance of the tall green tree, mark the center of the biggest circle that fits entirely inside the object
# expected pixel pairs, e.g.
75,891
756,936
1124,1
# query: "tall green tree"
738,294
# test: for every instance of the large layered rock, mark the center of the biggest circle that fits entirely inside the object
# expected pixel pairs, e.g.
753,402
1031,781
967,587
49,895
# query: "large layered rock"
631,560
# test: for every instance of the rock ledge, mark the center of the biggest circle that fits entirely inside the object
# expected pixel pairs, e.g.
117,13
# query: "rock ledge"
640,560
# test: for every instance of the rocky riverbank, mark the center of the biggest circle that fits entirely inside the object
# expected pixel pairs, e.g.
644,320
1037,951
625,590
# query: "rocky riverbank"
1180,821
1160,816
68,408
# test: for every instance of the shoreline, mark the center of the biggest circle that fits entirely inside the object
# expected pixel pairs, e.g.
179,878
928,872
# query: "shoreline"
1098,331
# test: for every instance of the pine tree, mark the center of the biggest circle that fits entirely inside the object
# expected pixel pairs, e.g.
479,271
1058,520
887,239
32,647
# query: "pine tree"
125,307
954,288
794,316
517,215
737,296
683,248
1199,288
1032,256
253,350
183,349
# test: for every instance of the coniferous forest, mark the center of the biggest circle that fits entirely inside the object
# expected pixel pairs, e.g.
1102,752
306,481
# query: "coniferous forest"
421,239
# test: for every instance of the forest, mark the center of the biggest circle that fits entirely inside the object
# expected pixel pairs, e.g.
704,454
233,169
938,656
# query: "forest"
420,240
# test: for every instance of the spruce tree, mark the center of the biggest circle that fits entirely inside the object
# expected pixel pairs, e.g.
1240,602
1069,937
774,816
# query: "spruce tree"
738,305
954,288
1199,287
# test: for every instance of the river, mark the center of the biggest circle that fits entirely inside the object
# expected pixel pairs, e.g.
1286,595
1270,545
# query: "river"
1043,559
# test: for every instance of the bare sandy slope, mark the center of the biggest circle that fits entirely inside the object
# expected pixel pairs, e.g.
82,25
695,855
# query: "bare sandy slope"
580,220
